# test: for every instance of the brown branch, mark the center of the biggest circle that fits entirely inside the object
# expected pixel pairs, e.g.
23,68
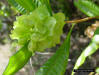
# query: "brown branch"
81,20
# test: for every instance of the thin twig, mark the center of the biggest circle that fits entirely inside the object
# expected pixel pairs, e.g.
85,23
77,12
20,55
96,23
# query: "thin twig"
33,70
82,20
46,53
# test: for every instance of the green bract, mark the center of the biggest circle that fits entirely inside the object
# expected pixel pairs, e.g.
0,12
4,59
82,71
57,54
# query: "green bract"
39,29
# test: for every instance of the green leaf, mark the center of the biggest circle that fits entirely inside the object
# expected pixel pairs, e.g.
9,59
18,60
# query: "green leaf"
47,2
25,6
1,25
97,31
97,70
39,3
89,50
17,6
56,65
87,7
17,61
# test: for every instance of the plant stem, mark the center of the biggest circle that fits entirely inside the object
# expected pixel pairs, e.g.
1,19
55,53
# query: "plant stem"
82,20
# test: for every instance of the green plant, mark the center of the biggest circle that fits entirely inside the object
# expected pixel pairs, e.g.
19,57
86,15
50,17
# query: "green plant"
38,28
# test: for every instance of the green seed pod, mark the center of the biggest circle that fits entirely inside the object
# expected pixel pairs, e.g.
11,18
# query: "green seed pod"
39,28
17,61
